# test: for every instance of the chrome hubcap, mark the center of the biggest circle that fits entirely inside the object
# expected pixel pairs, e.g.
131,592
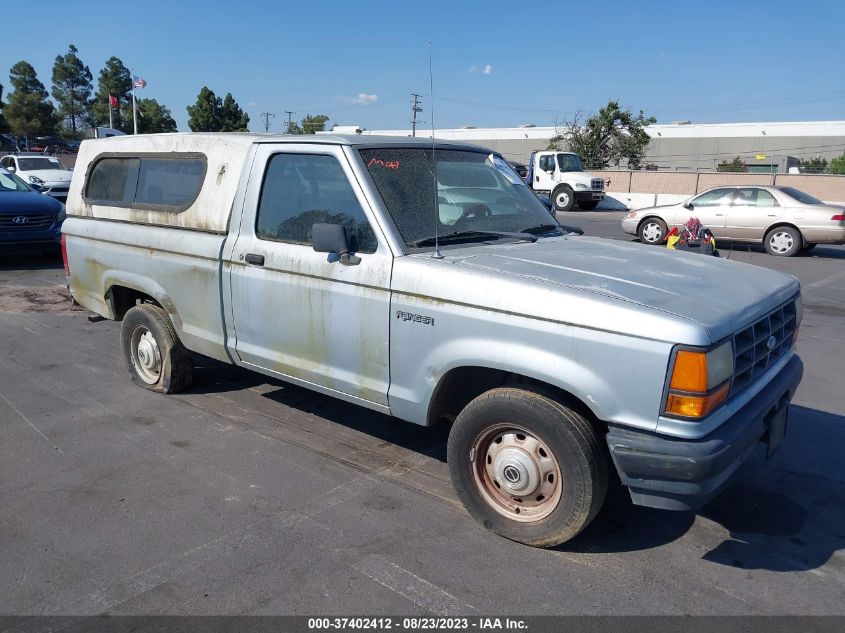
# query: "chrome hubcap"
652,232
781,242
562,199
146,357
516,473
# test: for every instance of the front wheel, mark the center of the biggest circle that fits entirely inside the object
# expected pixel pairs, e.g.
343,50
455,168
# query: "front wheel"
152,352
783,241
589,205
652,231
563,199
526,466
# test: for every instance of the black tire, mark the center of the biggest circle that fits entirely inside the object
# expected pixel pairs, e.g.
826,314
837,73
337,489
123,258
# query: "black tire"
589,205
145,334
808,247
783,241
567,439
652,231
563,199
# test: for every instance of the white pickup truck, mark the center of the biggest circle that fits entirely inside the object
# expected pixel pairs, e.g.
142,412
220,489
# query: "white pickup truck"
561,177
434,287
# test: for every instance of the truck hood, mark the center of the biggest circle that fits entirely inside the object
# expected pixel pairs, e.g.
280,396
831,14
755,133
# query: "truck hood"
719,294
585,178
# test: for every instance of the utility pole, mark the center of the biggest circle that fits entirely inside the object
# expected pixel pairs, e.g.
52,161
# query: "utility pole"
267,116
415,107
290,114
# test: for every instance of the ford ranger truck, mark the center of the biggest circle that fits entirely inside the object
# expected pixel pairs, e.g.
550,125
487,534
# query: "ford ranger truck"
561,177
429,283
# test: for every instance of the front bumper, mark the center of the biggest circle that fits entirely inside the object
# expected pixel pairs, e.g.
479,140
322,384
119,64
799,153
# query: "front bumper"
677,474
630,226
588,196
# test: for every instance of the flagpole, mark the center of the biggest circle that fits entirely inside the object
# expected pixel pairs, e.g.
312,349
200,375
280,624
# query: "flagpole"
111,125
134,111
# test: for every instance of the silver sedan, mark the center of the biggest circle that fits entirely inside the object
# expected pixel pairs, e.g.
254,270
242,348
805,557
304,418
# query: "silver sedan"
785,220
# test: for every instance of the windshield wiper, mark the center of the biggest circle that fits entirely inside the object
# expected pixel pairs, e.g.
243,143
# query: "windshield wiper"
458,236
541,228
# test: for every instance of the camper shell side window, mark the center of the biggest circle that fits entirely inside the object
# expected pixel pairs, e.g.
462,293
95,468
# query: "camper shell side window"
156,182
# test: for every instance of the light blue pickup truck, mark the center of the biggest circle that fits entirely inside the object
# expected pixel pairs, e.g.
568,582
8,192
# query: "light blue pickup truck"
426,281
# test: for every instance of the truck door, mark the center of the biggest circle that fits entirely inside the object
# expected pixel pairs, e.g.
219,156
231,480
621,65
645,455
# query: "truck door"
544,172
300,314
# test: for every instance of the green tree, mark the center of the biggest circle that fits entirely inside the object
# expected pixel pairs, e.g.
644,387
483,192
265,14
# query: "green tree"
310,124
837,165
4,125
735,165
28,111
116,80
232,118
72,89
205,114
609,137
817,165
153,118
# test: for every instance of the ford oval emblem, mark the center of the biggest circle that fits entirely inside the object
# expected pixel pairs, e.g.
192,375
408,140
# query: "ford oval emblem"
20,219
771,343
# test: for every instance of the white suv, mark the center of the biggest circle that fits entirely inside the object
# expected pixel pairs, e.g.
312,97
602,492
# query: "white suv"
46,172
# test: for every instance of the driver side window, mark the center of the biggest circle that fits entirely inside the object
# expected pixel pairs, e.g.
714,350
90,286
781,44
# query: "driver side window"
713,198
547,163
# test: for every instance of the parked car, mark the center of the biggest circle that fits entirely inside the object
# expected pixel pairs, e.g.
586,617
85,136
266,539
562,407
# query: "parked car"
785,220
28,220
45,171
339,264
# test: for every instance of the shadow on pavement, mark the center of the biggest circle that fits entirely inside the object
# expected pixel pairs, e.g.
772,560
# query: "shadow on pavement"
29,261
776,526
771,520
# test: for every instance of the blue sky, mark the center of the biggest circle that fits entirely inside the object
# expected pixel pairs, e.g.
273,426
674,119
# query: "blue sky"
495,63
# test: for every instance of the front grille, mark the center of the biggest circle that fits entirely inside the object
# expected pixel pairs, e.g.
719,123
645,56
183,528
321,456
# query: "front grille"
752,353
34,222
598,184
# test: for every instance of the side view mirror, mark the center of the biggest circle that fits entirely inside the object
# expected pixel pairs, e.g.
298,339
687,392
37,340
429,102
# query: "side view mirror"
11,168
687,205
332,238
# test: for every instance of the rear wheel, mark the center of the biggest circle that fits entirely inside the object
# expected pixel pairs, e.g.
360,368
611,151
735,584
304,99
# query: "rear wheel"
589,205
152,352
563,199
652,231
783,241
527,467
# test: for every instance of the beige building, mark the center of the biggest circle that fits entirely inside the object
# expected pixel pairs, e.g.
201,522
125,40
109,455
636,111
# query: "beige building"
682,146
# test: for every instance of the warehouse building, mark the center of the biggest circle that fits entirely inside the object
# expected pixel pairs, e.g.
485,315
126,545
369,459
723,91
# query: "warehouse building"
680,146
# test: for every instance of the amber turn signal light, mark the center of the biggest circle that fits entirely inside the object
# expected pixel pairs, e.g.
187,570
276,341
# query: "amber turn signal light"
696,406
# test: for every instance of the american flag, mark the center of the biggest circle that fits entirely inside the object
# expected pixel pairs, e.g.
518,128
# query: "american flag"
139,83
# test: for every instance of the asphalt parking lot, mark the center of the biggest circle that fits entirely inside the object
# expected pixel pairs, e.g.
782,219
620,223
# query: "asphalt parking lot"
248,496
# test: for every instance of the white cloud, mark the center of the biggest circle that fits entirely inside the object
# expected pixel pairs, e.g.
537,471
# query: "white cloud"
484,70
363,99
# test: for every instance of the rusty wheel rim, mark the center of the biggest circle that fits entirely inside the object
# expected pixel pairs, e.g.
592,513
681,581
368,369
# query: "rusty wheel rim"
516,473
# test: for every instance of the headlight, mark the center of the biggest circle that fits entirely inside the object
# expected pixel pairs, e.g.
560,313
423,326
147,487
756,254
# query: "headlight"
61,216
699,381
35,180
581,186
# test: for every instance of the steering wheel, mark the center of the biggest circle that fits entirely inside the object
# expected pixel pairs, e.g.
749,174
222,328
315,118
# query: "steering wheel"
472,213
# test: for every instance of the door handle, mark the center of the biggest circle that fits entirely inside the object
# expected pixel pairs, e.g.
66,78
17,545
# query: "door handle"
254,259
718,215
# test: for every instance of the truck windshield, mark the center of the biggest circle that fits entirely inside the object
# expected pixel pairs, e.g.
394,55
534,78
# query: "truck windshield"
569,162
479,196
